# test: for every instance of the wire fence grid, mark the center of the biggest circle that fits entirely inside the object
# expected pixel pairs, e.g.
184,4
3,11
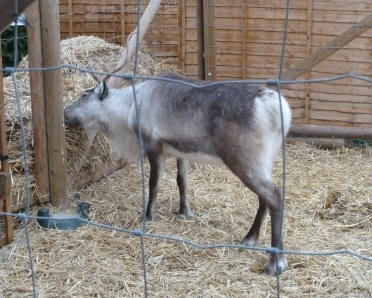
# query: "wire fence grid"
142,233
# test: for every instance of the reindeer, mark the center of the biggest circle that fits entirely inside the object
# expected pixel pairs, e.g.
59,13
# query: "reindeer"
238,125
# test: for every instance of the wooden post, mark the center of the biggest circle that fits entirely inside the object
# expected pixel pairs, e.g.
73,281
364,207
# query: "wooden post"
331,47
330,131
41,172
5,204
245,41
182,44
70,23
308,53
200,39
209,39
50,44
126,56
7,11
122,23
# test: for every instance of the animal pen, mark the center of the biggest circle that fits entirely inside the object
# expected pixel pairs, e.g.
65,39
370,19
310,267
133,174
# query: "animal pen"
325,72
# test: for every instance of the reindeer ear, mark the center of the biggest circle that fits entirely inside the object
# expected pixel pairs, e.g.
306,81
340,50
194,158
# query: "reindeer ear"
102,90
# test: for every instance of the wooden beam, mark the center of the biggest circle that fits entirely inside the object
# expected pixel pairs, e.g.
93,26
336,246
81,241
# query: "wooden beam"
50,44
88,177
5,186
330,48
182,36
70,22
41,168
330,131
7,11
209,39
200,39
128,53
245,41
308,54
322,143
122,23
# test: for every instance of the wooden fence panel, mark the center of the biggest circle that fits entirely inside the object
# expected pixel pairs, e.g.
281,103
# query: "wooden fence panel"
243,41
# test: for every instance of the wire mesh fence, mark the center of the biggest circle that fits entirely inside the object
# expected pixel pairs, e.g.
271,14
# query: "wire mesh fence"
142,233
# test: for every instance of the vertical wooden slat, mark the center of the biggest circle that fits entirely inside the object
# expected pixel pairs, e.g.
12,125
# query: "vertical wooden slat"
182,29
122,24
200,38
41,173
307,105
50,42
209,39
5,187
244,32
70,25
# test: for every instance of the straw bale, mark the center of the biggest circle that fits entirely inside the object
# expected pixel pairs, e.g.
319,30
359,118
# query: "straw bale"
328,206
80,52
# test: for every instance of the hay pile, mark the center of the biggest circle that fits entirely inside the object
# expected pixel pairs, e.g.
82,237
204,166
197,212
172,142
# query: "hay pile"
80,51
328,207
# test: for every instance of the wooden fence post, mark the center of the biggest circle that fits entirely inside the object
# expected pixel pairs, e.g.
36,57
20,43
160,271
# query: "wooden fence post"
209,39
50,45
35,58
200,38
5,204
127,54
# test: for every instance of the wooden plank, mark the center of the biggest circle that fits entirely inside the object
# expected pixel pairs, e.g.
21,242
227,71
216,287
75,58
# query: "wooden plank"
245,41
344,5
209,39
5,186
3,138
339,98
7,11
330,131
351,119
41,168
344,90
334,29
332,68
122,24
262,49
50,42
198,35
344,107
330,48
92,28
88,177
182,47
308,53
70,21
361,43
115,17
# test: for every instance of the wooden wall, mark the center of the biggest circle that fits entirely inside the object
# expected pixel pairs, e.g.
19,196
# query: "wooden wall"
113,20
243,39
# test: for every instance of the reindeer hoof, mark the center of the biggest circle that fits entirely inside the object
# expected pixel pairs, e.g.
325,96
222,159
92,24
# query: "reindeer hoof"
185,215
271,268
249,241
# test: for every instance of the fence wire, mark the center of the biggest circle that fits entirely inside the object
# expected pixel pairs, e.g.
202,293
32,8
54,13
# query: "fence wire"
132,77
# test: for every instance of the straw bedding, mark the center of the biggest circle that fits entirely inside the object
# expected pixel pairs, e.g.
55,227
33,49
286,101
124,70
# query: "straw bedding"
328,207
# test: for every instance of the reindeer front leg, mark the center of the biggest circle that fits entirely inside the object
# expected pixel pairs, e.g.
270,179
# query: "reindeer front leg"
185,210
156,168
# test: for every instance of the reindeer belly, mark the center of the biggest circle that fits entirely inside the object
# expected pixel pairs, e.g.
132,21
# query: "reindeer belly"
191,152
